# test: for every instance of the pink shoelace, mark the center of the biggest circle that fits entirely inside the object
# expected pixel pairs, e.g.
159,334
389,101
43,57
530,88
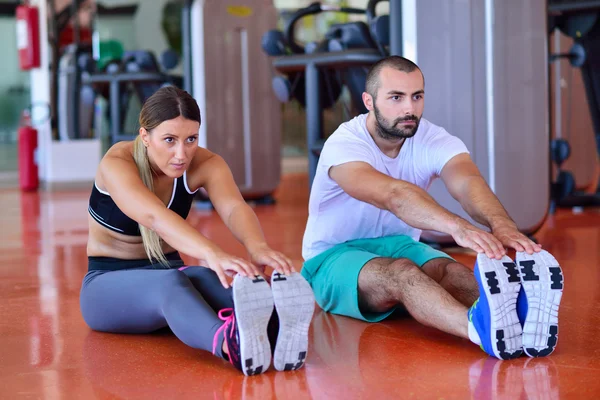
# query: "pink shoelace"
229,323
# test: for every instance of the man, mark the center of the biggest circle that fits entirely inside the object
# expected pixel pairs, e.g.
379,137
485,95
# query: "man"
368,205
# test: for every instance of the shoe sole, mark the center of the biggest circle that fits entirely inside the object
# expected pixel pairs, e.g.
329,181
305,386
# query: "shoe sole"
501,281
542,280
295,305
253,305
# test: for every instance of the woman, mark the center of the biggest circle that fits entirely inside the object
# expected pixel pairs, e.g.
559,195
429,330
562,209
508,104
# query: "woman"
137,282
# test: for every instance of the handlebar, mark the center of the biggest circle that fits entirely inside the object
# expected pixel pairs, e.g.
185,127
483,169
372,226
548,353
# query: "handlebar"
370,11
314,8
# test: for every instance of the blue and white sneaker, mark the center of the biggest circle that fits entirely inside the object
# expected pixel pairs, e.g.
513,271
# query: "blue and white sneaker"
542,284
494,314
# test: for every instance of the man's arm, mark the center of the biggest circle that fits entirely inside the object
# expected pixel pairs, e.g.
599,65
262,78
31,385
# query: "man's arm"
465,183
411,204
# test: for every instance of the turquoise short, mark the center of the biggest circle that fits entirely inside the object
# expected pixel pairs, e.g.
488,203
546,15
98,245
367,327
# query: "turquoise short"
333,274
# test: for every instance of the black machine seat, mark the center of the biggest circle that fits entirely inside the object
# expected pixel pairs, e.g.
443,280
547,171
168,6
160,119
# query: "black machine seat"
350,35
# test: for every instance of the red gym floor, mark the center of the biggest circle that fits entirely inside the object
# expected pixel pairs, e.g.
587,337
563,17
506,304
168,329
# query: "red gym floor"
47,351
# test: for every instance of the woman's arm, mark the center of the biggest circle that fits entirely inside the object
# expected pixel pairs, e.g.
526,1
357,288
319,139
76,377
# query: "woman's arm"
239,216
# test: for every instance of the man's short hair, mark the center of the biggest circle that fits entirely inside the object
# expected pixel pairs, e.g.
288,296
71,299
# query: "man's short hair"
397,62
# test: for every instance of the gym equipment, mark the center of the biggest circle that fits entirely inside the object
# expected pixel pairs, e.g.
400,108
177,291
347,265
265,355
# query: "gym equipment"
80,81
82,76
75,101
581,21
339,37
64,73
292,85
572,6
359,35
379,25
342,58
564,185
137,73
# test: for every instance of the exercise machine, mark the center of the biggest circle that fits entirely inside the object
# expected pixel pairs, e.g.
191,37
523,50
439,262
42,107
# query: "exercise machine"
315,74
579,20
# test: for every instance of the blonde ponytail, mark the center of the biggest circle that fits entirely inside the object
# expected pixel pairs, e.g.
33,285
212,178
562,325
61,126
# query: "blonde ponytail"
152,242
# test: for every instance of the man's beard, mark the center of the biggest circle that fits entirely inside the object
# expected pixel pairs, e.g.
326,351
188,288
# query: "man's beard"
393,131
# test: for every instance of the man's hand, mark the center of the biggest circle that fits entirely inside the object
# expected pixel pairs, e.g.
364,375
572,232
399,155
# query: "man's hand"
467,186
469,236
509,236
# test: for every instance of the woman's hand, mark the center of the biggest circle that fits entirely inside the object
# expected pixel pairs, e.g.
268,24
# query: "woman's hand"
262,255
226,264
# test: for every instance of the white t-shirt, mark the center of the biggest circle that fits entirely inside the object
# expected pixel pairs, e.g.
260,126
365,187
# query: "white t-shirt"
335,217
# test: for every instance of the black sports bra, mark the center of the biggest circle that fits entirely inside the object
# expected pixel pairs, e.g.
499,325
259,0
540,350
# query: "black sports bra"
104,210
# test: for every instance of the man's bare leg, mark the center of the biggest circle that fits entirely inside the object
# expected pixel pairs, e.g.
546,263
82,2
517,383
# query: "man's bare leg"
455,278
385,282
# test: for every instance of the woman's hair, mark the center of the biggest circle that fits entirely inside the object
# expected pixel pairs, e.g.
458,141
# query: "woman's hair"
166,104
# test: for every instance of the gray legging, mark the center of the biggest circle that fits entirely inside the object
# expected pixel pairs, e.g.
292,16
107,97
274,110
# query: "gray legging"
144,299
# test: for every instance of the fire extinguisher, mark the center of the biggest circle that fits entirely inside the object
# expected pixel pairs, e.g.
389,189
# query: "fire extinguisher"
28,36
27,144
